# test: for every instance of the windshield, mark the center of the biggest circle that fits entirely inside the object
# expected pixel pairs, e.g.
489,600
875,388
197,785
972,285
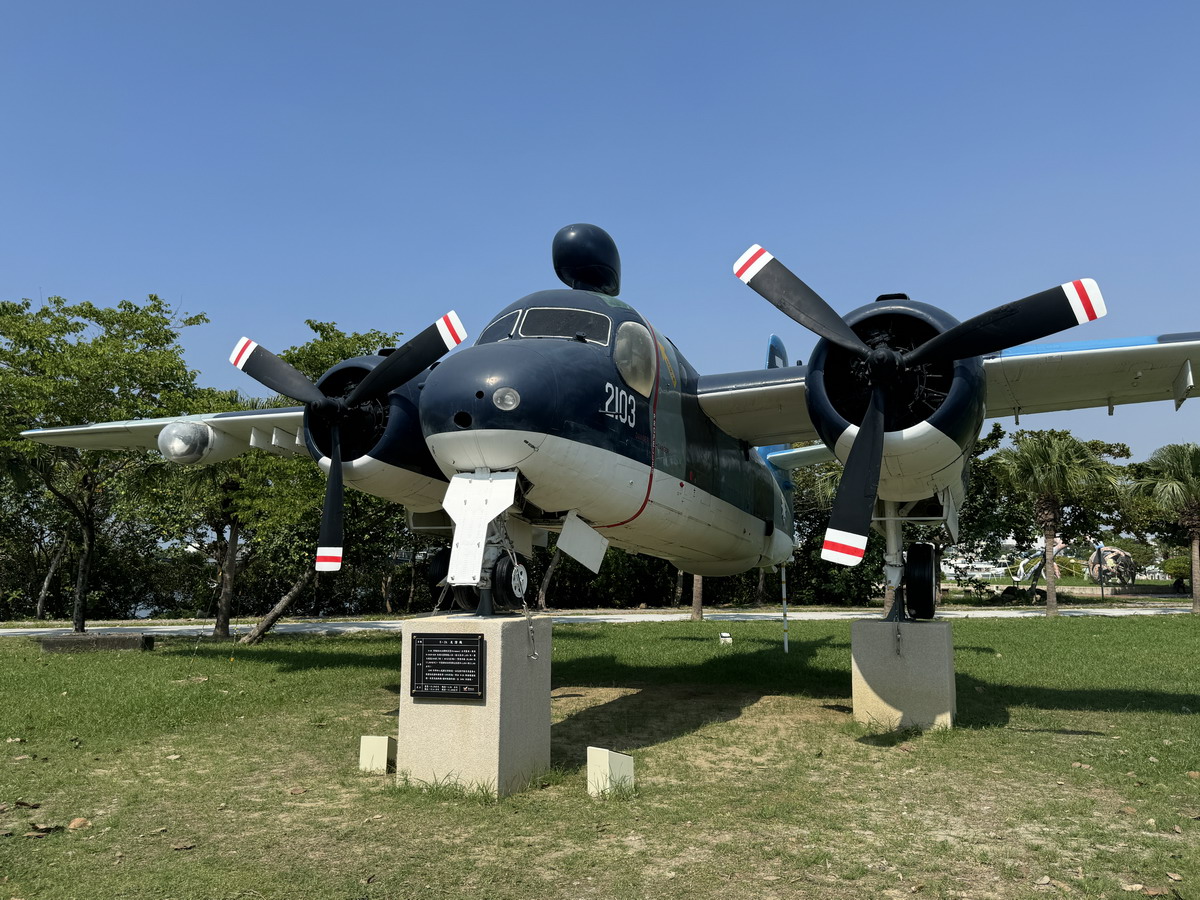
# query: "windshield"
500,330
578,324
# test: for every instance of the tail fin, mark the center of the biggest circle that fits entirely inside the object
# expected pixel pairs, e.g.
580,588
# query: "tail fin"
777,358
776,353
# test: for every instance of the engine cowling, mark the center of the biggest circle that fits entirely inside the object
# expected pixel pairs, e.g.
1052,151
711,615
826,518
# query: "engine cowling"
383,450
934,410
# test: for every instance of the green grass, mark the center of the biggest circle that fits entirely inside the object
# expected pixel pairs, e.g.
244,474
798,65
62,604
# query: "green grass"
1070,761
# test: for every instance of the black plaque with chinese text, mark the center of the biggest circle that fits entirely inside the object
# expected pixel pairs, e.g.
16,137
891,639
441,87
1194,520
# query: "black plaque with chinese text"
447,666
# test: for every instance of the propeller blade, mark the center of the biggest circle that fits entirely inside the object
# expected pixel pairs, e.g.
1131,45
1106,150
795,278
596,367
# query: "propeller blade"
1036,316
412,358
269,370
771,279
850,523
329,544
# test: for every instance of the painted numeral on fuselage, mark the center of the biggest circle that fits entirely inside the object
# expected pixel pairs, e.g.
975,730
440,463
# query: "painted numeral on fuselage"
619,404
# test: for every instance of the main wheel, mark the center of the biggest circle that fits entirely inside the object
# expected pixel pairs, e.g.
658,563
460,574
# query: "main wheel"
466,597
920,580
437,568
510,581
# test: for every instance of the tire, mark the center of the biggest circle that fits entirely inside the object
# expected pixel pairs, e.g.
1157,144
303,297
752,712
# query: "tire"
920,580
466,598
510,582
438,568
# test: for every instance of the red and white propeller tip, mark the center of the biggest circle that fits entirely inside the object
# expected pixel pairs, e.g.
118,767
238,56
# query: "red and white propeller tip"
1086,301
450,327
843,547
751,263
329,559
241,352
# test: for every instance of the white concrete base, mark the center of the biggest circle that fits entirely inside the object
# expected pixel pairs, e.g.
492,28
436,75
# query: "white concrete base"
498,744
903,674
376,754
608,771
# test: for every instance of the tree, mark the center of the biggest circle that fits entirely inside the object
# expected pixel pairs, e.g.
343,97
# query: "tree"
1171,478
812,579
697,598
69,364
1061,474
196,506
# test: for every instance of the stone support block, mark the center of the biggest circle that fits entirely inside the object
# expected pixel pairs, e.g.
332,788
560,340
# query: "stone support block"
903,674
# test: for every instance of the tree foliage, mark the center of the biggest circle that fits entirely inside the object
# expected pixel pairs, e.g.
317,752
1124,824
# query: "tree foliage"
69,364
1071,484
1171,480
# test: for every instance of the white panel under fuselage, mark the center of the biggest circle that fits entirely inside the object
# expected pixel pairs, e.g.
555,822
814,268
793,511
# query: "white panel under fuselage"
918,462
631,505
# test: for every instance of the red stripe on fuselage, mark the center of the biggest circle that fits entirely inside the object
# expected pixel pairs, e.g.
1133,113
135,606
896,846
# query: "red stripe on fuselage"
1088,309
750,261
653,431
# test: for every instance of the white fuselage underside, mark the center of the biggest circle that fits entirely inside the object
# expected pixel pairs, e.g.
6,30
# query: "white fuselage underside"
634,506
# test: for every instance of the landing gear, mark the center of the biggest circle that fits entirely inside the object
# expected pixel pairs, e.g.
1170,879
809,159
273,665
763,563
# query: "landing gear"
509,582
920,580
913,576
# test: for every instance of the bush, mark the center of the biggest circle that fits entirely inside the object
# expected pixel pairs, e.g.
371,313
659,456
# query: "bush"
1177,567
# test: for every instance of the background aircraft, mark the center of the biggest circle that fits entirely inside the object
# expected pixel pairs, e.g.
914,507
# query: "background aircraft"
572,413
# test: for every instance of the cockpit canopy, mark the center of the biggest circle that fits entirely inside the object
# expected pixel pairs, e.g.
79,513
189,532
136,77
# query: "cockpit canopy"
632,346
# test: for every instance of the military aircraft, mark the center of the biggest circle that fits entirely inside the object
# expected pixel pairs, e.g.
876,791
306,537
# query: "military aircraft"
572,413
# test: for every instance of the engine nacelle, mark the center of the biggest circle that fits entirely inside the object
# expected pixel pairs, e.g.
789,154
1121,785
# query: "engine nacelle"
383,450
196,444
934,411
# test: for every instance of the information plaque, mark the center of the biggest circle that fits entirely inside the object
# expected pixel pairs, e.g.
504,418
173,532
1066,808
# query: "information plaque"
448,666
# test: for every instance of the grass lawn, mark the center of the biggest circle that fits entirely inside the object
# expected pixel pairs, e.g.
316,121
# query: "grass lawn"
217,771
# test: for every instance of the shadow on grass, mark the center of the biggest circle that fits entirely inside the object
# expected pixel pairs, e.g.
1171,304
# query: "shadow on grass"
303,653
670,701
676,698
653,715
983,704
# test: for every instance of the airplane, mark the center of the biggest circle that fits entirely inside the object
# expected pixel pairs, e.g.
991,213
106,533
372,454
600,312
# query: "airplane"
572,413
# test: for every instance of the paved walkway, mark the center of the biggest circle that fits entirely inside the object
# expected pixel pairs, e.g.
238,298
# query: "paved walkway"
320,626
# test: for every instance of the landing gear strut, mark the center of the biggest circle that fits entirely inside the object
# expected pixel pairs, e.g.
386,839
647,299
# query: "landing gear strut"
913,576
503,578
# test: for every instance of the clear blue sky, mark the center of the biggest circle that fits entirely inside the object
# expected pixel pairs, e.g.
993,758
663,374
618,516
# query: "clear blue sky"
375,164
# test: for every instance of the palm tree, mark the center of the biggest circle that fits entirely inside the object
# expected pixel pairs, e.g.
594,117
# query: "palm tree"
1172,481
1058,470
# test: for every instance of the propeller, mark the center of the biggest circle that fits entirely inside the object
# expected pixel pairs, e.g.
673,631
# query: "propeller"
400,366
1036,316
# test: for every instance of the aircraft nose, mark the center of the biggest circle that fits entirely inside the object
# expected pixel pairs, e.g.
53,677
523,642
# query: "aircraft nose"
506,391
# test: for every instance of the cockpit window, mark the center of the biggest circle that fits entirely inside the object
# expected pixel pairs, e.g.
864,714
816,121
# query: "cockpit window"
578,324
500,330
634,355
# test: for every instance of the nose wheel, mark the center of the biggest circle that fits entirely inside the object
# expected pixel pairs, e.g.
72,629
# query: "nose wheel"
509,584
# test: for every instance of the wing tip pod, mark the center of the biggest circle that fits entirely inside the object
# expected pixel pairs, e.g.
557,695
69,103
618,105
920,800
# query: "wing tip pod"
751,262
1087,303
843,547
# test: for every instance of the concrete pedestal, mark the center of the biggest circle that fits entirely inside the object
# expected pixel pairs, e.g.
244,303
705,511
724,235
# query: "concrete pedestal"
498,743
903,674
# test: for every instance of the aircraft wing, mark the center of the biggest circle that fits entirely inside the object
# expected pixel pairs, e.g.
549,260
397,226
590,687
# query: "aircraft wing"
762,407
1049,377
278,431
